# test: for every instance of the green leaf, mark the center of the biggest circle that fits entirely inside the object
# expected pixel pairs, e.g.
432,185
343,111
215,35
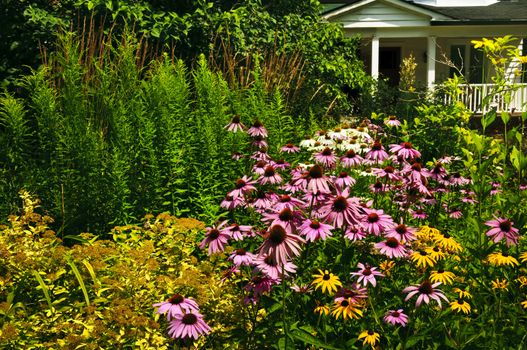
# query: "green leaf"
505,117
308,339
44,288
80,280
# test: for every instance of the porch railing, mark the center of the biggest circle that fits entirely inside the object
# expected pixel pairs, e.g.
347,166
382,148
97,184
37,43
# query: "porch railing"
473,96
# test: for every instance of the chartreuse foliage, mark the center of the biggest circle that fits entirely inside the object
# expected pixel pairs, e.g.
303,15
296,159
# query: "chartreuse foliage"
103,139
100,292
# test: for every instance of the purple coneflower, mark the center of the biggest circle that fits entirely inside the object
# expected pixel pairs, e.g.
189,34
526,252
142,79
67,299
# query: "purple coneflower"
231,203
351,159
215,238
367,274
262,201
270,176
241,257
344,180
356,292
355,233
243,186
438,172
326,158
341,210
425,291
290,148
259,285
392,248
376,154
257,129
189,325
458,180
259,142
415,172
176,305
286,201
270,267
396,317
259,167
379,187
418,214
280,164
502,228
387,172
314,229
235,125
237,231
317,182
280,244
392,121
237,156
402,233
405,150
286,218
376,222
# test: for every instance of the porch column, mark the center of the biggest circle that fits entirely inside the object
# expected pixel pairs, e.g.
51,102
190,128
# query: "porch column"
431,61
375,57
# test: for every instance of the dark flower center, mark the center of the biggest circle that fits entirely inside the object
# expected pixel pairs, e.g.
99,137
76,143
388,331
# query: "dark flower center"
260,195
316,172
401,229
440,271
376,146
460,302
270,261
337,130
240,251
426,288
261,164
416,166
456,175
366,272
240,183
236,119
340,204
389,169
344,303
269,171
373,217
286,214
343,174
392,242
214,233
377,185
314,225
327,152
257,124
285,198
350,154
505,226
176,299
277,235
395,314
280,161
392,117
189,319
407,145
326,277
371,332
446,235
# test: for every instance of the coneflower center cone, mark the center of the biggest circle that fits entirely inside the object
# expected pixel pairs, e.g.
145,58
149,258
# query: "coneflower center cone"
316,172
269,171
425,288
277,235
340,204
373,217
505,226
400,229
392,242
176,299
327,152
240,251
189,319
314,224
286,215
214,233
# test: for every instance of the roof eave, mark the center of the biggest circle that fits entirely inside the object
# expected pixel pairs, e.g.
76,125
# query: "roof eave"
477,22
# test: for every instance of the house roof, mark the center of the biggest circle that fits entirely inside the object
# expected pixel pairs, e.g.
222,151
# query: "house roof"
502,12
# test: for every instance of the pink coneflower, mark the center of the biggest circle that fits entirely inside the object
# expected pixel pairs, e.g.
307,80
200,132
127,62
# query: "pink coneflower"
523,187
303,289
326,158
355,233
261,155
259,285
235,125
176,304
351,159
376,222
376,154
438,172
290,148
229,273
388,172
379,187
425,291
270,267
341,210
356,292
392,248
344,180
392,121
314,229
496,188
241,257
396,317
270,176
418,214
405,150
189,325
286,218
257,129
237,155
502,228
286,201
280,244
238,231
367,274
260,142
263,200
280,164
455,214
402,233
243,186
231,203
215,238
457,180
415,172
259,167
317,182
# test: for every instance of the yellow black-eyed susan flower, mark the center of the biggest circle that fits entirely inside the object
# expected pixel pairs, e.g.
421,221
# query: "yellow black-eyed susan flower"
500,259
500,284
347,308
327,281
460,305
369,337
445,277
422,258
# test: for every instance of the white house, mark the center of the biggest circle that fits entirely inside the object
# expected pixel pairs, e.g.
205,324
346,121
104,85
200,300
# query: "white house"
434,31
